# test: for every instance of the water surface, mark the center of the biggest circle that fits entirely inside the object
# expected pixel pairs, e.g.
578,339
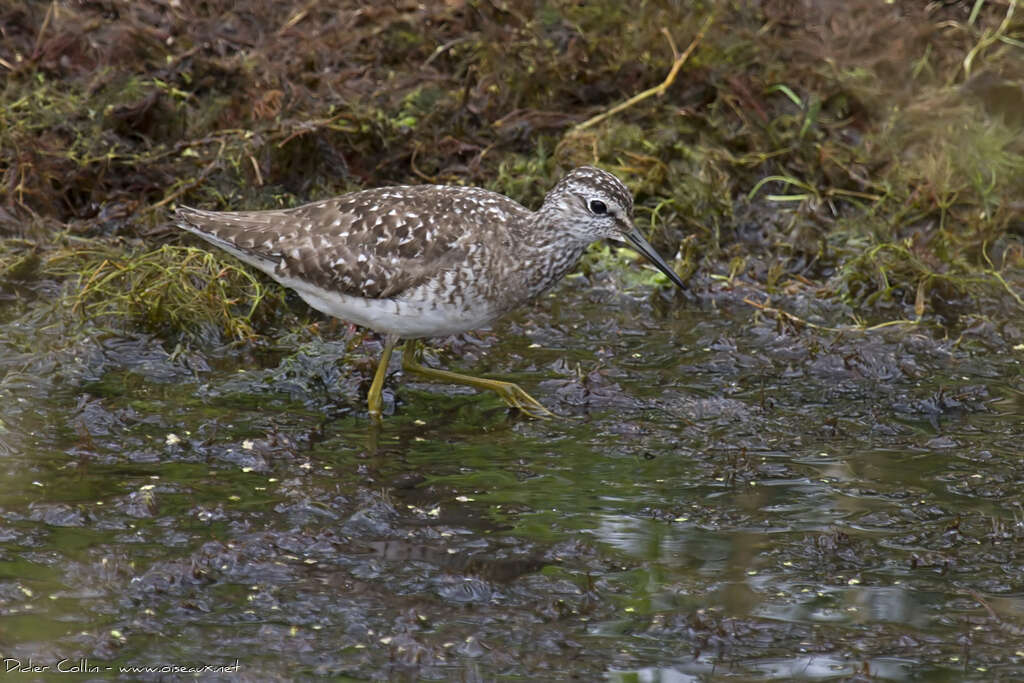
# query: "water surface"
726,497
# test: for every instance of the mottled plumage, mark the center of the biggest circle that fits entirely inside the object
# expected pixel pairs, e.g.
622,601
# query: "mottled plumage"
426,260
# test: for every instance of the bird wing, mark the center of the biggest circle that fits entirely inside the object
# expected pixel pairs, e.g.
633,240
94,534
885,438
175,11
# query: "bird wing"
372,244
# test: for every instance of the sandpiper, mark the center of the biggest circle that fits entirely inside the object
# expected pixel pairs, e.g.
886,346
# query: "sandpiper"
429,260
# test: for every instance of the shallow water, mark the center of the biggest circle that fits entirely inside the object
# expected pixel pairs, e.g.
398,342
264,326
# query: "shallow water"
726,497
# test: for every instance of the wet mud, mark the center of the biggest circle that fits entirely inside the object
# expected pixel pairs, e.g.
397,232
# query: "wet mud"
725,496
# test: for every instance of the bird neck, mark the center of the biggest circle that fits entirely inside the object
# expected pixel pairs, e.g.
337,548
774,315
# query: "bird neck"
554,226
547,253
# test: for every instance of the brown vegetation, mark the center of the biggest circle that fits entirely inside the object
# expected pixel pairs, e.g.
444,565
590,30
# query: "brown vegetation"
870,151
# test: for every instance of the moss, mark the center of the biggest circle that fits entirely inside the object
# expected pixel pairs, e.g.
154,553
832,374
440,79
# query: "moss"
18,262
836,142
177,291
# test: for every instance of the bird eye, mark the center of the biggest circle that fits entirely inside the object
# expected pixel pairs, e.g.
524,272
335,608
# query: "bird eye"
598,207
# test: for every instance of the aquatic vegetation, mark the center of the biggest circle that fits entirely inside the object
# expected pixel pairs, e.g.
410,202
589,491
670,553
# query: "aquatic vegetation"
174,291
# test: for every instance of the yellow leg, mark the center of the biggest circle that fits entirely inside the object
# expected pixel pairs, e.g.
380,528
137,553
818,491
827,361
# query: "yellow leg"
373,399
510,393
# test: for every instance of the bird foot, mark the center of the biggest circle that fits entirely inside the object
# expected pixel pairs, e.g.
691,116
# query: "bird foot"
515,397
512,394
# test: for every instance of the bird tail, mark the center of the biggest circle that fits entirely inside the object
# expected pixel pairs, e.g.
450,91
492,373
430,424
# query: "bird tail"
238,233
